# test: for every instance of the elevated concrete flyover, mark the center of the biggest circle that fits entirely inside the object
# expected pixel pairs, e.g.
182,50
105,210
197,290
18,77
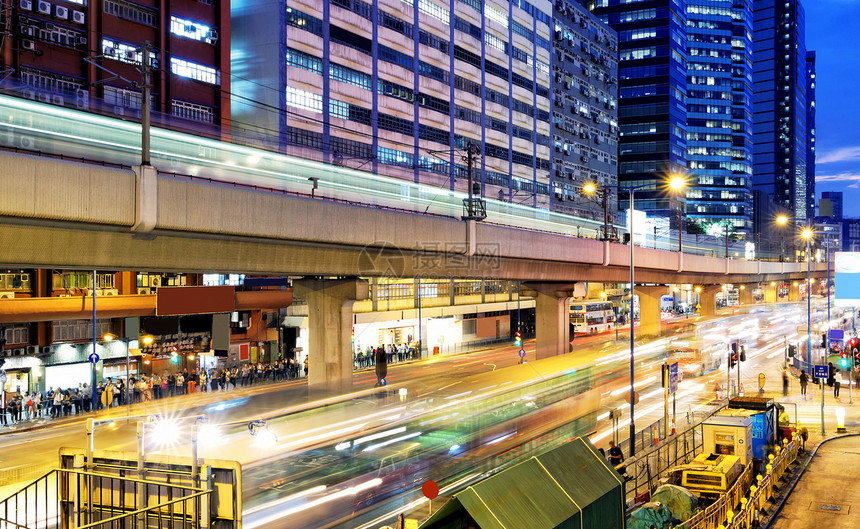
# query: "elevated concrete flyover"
62,214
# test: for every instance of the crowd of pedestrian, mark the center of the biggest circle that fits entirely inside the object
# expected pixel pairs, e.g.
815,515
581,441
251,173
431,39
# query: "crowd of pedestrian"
61,402
393,353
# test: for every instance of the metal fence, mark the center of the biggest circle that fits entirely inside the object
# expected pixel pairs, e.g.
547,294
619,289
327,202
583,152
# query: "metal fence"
65,498
656,454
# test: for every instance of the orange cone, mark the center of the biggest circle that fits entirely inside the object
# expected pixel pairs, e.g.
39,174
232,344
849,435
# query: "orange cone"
673,428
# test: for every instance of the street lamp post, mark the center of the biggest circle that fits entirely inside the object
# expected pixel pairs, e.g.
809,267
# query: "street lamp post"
676,183
807,234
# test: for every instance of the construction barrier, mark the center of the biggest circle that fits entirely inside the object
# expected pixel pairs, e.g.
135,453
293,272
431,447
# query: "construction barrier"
739,508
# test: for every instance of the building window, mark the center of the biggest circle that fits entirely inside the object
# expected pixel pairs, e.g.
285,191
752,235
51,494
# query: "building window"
305,62
192,30
50,82
14,281
496,15
127,53
71,330
17,334
304,100
129,11
198,72
193,111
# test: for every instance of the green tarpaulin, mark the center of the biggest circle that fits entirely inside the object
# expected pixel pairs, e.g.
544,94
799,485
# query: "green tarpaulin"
571,486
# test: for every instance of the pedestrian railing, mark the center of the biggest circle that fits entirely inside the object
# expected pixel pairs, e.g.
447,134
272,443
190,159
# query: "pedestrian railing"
67,498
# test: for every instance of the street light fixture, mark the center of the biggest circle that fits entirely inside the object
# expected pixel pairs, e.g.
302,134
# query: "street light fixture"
675,183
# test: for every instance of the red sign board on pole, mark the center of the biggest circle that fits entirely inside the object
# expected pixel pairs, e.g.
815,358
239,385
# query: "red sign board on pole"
430,489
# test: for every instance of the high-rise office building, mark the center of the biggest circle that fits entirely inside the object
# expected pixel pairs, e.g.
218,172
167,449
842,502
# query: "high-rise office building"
719,112
834,209
652,72
810,130
404,88
584,111
780,105
87,55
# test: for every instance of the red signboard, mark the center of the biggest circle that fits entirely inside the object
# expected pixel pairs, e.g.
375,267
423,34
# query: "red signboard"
177,301
244,352
430,489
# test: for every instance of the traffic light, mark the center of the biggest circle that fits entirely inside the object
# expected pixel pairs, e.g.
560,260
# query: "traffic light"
733,354
518,339
854,347
823,339
792,349
743,353
843,359
174,354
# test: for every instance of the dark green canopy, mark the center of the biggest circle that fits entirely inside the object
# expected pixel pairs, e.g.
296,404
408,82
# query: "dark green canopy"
571,486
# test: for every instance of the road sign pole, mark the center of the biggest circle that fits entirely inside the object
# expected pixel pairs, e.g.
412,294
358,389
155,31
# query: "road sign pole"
666,401
822,406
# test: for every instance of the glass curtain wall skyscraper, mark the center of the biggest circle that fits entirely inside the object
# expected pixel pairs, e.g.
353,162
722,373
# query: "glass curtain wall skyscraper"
719,112
780,105
652,86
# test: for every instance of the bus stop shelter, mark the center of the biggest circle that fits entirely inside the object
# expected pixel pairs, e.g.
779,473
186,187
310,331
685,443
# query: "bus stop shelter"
571,486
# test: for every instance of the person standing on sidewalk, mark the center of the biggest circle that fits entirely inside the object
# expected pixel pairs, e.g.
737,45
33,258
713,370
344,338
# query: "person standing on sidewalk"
837,381
784,382
804,379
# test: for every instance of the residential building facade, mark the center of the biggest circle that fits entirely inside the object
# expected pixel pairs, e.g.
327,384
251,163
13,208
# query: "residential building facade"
89,55
584,111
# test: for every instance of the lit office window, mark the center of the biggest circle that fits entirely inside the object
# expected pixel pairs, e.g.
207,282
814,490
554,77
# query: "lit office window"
496,15
304,100
198,72
192,30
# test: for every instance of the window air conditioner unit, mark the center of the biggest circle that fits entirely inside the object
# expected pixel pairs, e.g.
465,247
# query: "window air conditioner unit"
7,295
58,100
46,350
44,97
155,281
143,291
79,17
130,55
28,45
26,5
61,12
109,292
31,349
44,8
82,99
110,51
28,31
29,93
81,41
26,142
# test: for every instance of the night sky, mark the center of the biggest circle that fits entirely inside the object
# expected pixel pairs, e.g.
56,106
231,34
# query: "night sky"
832,32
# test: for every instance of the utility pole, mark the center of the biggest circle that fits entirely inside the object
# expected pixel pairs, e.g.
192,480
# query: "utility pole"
145,110
473,208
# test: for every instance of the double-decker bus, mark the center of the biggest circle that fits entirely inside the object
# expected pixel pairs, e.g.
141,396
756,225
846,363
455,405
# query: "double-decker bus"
591,316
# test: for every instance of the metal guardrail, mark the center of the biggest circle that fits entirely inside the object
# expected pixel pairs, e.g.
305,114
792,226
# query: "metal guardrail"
656,454
66,498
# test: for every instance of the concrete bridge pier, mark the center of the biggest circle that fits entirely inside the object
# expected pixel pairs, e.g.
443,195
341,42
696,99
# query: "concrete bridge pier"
649,308
552,316
745,293
770,292
794,291
708,300
330,304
